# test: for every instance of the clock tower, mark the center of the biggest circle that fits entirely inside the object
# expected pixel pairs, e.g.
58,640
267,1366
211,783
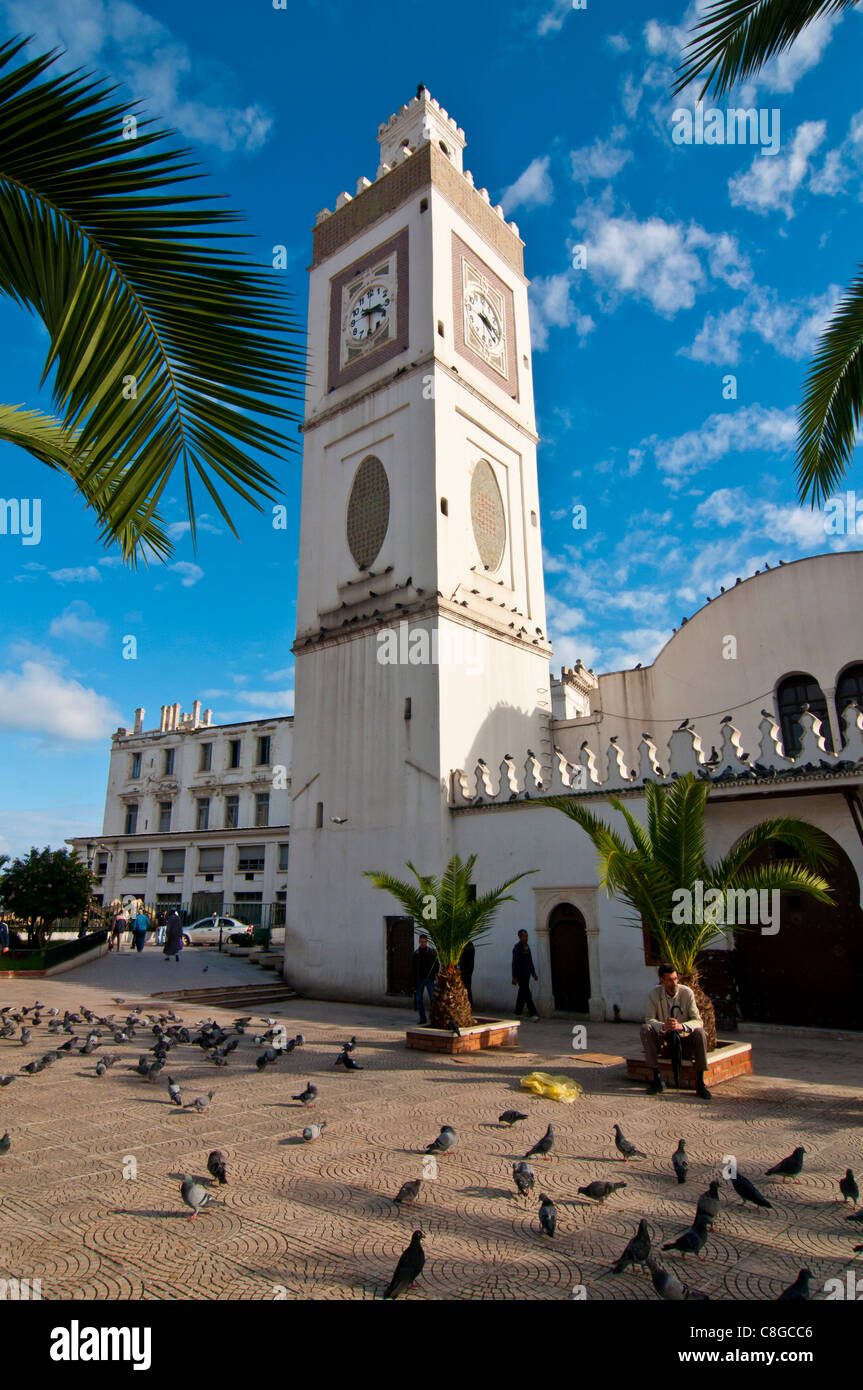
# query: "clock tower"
421,642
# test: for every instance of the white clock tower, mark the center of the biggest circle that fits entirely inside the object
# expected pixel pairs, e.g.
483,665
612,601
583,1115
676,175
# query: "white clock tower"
421,641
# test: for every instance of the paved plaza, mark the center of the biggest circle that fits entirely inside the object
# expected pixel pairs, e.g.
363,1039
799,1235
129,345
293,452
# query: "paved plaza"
316,1220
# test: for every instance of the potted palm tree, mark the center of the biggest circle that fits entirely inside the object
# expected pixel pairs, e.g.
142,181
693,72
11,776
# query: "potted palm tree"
452,917
666,861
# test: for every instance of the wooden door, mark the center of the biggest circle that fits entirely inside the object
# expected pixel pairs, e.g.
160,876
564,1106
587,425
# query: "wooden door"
570,969
400,955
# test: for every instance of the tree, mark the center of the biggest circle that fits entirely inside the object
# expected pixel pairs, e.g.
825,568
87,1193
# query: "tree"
733,41
46,885
668,855
169,348
445,910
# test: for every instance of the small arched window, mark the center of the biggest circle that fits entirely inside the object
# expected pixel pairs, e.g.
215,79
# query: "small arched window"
793,695
849,689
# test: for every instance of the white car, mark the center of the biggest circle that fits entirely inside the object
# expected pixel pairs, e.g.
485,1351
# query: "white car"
206,931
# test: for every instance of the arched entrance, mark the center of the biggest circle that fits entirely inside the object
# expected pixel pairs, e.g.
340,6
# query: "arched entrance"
570,969
809,973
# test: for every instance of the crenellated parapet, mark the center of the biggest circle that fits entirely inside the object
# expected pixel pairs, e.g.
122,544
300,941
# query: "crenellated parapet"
685,753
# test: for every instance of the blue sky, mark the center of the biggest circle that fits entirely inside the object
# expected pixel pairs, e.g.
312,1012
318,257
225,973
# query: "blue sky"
702,261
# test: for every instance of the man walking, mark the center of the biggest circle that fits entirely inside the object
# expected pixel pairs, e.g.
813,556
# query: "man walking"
671,1008
523,972
4,937
173,935
139,929
425,970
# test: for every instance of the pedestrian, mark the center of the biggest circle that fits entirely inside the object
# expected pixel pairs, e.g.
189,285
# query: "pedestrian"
161,924
425,969
118,927
139,929
523,972
4,937
465,965
173,935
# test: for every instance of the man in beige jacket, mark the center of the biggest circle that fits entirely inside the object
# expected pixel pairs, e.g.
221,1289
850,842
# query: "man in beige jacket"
671,1008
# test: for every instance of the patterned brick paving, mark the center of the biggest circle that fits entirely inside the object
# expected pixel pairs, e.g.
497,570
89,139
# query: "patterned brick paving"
317,1221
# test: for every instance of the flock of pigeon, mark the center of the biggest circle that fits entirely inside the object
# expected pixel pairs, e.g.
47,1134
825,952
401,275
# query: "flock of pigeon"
89,1032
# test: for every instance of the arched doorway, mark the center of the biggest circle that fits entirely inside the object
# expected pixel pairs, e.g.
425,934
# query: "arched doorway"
570,969
809,973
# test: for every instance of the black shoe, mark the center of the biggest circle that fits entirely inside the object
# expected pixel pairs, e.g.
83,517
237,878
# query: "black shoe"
656,1087
702,1092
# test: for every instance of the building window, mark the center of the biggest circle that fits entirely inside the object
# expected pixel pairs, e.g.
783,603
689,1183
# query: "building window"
205,763
283,858
250,859
136,864
232,812
235,748
210,861
249,908
793,694
263,751
203,818
168,766
262,808
164,816
173,861
849,689
131,827
101,866
136,765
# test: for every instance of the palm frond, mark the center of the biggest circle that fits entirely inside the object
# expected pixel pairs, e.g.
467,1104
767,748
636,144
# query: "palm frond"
810,844
830,412
169,348
735,38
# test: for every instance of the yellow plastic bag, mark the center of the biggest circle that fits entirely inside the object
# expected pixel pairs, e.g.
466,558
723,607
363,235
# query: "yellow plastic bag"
561,1088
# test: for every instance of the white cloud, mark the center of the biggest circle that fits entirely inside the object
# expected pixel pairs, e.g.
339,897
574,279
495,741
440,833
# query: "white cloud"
38,699
189,574
843,165
770,183
791,327
618,43
177,529
80,574
784,71
750,428
533,187
79,622
177,86
553,20
665,263
601,160
552,307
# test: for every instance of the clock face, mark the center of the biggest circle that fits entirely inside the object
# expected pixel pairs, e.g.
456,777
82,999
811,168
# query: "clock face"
484,320
369,314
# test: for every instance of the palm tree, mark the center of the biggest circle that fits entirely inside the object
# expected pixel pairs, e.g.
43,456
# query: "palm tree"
452,918
669,855
169,348
733,41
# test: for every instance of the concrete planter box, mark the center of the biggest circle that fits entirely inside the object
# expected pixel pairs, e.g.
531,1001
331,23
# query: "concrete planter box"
486,1032
727,1060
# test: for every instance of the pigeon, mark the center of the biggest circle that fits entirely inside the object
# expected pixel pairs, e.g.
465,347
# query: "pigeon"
637,1250
858,1216
543,1146
623,1146
174,1091
7,1080
680,1161
200,1103
524,1178
446,1140
599,1191
314,1131
668,1287
799,1290
33,1067
154,1070
25,1036
216,1167
408,1193
346,1061
307,1097
708,1204
789,1167
101,1067
194,1195
510,1117
5,1143
693,1240
409,1267
349,1046
849,1189
547,1214
748,1192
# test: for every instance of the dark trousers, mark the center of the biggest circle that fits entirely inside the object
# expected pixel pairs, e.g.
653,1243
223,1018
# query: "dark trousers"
693,1045
422,986
466,981
139,938
524,997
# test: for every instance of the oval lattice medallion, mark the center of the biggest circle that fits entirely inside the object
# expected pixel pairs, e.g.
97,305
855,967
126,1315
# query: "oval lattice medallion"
487,515
368,511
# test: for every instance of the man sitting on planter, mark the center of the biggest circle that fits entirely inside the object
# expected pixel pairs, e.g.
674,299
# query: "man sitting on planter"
671,1009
